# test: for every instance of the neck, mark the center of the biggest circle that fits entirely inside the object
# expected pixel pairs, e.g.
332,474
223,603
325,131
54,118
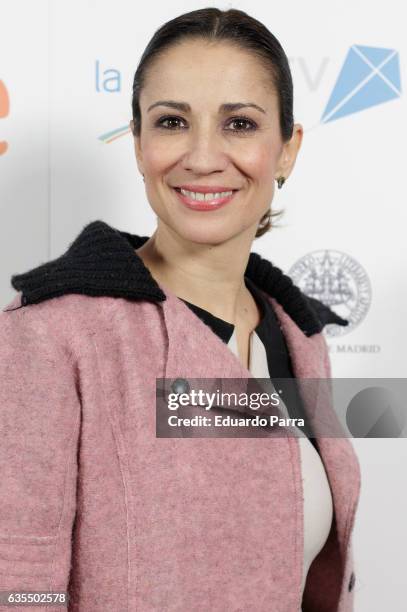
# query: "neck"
207,275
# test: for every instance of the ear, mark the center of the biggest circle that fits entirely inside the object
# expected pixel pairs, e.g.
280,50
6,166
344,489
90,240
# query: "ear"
289,152
137,148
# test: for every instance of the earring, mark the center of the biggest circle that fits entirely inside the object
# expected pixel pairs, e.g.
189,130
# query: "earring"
143,178
280,181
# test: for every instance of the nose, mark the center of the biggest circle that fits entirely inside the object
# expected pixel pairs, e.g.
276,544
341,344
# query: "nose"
206,152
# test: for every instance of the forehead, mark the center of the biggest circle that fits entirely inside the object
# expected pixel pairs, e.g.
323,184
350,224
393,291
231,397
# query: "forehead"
196,67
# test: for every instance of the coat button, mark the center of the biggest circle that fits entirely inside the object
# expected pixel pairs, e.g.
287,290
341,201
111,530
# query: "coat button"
180,385
351,582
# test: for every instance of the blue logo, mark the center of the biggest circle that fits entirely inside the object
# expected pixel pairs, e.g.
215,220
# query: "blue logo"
369,76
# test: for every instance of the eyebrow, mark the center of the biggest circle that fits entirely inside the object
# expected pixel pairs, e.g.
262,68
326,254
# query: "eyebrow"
185,107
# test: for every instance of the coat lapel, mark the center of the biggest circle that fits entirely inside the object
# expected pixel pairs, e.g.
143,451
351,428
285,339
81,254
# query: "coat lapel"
195,352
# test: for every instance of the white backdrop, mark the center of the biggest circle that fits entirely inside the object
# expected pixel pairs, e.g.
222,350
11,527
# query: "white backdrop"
66,75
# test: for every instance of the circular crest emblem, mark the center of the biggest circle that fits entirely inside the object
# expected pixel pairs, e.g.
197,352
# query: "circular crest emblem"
337,280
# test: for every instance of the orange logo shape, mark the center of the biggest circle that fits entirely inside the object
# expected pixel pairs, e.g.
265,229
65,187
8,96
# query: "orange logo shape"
4,111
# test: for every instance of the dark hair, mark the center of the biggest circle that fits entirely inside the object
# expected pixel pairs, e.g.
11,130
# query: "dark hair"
235,27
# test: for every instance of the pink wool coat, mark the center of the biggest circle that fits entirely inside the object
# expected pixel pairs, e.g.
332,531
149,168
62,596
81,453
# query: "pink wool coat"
92,501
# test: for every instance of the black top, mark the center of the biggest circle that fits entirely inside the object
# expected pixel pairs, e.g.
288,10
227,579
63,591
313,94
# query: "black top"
278,357
268,330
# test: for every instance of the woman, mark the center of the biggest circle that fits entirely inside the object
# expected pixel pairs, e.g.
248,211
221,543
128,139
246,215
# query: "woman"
94,501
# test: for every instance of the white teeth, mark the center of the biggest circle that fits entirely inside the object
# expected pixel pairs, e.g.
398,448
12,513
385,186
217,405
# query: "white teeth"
200,197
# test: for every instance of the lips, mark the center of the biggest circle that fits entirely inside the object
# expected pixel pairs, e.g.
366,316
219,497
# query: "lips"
205,188
204,205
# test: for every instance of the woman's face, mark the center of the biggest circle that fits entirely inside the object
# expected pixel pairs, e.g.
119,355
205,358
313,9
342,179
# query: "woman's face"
204,143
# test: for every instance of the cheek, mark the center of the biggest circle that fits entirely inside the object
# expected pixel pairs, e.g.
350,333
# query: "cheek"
157,156
259,162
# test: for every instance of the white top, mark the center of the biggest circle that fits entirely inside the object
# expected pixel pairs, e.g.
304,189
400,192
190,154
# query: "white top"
318,507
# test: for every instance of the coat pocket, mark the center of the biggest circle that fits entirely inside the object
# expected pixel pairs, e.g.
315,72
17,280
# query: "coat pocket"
26,559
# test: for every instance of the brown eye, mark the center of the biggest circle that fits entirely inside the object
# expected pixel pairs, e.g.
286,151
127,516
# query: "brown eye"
171,120
250,125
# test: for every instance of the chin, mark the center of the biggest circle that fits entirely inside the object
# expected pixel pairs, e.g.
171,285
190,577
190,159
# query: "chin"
204,233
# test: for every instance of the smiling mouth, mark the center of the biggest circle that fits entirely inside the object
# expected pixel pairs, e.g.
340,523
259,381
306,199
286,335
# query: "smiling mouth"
199,201
205,196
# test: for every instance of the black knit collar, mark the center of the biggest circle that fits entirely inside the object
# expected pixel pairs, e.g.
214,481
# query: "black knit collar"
102,261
